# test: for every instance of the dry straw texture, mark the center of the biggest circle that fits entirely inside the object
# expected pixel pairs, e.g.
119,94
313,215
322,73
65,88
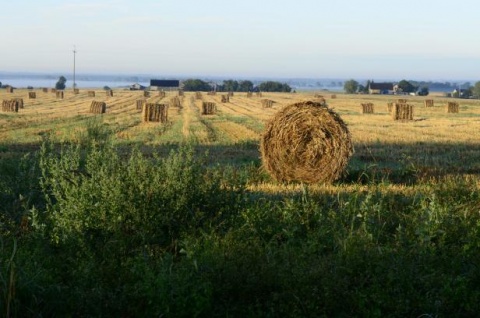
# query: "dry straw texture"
175,102
98,107
109,93
9,89
45,90
334,96
53,90
91,93
249,94
59,94
225,98
155,112
146,94
367,108
429,103
230,94
401,101
212,93
20,102
267,103
76,91
208,108
139,103
306,142
259,94
198,95
10,105
403,112
161,94
452,107
389,107
32,95
180,93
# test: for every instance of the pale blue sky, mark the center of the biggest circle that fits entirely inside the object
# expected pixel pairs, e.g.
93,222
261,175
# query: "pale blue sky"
422,39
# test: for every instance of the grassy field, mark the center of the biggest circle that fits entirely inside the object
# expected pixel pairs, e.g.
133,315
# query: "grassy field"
104,215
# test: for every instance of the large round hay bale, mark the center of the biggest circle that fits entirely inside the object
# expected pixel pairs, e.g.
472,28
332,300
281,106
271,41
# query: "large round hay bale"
306,142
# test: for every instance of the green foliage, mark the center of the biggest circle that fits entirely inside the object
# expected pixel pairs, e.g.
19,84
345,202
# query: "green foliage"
61,83
351,86
196,85
407,87
117,233
423,91
229,86
476,90
245,86
272,86
235,86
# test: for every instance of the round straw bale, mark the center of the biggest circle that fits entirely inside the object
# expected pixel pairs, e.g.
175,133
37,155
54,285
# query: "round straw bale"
306,142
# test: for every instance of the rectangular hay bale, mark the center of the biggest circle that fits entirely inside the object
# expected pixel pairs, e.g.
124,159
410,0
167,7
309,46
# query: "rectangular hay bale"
208,108
267,103
10,105
367,108
402,112
452,107
139,103
91,93
153,112
32,95
429,103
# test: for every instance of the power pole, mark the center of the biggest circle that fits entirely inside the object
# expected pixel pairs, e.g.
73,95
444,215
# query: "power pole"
74,52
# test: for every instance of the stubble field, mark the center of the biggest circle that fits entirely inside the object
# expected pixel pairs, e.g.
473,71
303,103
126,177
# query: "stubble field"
105,215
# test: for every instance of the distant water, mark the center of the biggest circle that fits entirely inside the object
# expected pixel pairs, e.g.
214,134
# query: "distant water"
50,83
20,80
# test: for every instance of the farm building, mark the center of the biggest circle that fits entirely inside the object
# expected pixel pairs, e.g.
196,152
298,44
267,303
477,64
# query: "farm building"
381,88
137,87
164,84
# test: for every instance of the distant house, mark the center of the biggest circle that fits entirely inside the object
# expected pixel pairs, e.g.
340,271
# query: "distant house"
461,93
381,88
137,87
164,84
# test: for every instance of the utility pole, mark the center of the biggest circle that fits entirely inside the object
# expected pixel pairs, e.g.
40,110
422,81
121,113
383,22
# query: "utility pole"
74,52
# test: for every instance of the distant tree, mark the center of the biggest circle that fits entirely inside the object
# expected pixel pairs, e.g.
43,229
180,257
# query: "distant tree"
272,86
367,86
361,88
61,83
196,85
0,84
350,86
106,88
424,91
476,90
245,86
230,86
407,87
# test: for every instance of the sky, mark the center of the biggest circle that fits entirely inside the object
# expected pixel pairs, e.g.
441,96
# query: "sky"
358,39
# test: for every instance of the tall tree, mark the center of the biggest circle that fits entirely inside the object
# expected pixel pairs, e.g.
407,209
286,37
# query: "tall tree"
476,90
350,86
230,86
196,85
272,86
61,82
245,86
407,87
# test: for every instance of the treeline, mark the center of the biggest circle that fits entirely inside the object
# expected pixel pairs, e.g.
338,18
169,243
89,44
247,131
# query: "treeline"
195,85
